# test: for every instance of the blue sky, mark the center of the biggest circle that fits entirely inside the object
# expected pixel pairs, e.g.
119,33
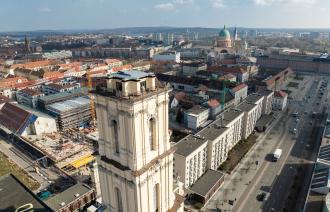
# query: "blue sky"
101,14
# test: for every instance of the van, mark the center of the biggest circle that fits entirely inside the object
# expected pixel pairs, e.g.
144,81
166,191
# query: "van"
277,154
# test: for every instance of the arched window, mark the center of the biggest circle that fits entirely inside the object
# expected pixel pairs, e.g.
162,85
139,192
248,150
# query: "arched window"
115,135
156,199
118,200
152,134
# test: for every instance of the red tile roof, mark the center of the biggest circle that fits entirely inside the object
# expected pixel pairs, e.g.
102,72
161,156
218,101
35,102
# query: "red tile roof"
179,96
4,99
53,75
213,103
239,87
122,68
281,94
36,64
13,117
110,61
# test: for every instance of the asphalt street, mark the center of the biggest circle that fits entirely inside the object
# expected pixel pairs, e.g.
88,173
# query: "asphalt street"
276,178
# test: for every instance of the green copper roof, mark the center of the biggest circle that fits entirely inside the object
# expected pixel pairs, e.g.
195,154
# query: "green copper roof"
224,33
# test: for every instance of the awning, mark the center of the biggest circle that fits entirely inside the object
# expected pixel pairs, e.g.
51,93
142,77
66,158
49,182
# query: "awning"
82,161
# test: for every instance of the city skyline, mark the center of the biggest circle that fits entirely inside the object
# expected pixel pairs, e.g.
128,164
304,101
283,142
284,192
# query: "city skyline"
105,14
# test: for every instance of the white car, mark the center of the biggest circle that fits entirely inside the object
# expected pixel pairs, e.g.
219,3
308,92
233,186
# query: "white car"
294,131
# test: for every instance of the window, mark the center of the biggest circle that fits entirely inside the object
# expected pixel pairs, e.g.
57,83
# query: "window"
115,135
156,198
119,200
143,86
152,134
119,86
181,87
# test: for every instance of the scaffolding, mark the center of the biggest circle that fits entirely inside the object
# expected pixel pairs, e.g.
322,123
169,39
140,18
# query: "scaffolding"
71,113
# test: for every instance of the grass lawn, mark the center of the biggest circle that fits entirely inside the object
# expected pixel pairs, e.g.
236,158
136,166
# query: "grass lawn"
237,153
293,84
7,166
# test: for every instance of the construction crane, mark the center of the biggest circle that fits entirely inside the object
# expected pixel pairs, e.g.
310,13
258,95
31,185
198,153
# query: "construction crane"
223,95
91,97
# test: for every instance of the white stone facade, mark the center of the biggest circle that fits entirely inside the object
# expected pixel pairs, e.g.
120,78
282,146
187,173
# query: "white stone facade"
135,160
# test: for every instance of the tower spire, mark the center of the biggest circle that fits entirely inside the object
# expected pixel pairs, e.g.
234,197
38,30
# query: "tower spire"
235,34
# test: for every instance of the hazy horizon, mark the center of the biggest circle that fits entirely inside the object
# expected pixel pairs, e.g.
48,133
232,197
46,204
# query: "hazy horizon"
32,15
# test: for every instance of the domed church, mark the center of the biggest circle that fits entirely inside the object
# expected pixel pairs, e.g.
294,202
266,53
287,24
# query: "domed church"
224,43
224,40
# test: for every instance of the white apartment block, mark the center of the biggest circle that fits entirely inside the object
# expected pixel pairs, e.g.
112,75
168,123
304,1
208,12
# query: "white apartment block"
240,93
267,103
219,143
168,57
196,116
209,148
280,100
135,161
258,100
233,120
190,159
252,113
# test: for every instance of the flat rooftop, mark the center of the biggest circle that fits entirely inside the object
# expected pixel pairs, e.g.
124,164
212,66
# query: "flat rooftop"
265,92
14,194
67,196
227,117
188,145
253,98
212,132
196,110
206,182
68,105
130,75
245,106
264,120
58,96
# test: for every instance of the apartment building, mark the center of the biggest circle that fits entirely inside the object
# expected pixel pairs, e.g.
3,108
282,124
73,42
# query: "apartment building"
190,159
280,100
239,92
196,116
258,100
233,120
28,97
267,103
252,113
53,88
218,141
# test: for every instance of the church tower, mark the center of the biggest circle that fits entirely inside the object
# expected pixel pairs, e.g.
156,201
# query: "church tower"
135,161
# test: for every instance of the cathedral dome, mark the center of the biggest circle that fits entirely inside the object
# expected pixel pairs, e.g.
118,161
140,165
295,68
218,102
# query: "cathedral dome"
224,34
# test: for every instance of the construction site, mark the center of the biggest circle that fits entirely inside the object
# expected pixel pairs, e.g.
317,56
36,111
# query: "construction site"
71,113
68,151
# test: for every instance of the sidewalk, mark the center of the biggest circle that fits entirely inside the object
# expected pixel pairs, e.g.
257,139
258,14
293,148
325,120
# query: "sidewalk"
236,183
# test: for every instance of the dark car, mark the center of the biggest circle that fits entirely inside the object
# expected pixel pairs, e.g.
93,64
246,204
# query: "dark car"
262,197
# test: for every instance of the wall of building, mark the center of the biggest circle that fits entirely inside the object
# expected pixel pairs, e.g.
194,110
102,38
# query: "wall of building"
218,150
191,167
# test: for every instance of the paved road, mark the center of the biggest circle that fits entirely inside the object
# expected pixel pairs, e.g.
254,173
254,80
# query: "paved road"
277,178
